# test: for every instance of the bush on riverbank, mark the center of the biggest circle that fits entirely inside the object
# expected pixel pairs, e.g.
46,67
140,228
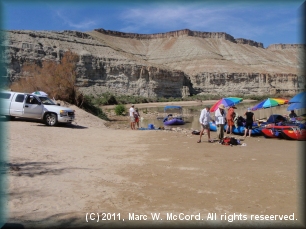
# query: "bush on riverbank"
110,99
120,109
88,106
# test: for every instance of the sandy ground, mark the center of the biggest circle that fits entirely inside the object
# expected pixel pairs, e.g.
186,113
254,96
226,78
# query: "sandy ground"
67,175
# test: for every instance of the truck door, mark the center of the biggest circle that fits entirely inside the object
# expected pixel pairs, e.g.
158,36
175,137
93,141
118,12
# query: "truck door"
5,100
17,103
32,107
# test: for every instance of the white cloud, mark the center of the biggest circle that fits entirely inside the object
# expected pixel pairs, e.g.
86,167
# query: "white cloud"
166,17
240,21
84,24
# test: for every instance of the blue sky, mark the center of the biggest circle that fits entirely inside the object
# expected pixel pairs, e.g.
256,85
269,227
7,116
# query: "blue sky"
269,22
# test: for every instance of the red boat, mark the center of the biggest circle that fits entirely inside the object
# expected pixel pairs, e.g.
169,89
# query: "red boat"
294,134
274,131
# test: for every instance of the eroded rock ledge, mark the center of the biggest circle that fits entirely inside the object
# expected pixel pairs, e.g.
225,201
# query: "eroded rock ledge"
131,67
184,32
285,46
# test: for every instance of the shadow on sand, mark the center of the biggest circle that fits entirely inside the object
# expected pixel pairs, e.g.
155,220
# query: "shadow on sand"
42,124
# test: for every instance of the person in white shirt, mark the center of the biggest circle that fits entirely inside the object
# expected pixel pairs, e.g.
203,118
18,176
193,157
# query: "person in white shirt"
220,116
132,116
204,120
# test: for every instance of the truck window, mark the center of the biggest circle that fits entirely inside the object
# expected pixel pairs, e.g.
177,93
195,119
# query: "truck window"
31,100
46,101
19,98
5,95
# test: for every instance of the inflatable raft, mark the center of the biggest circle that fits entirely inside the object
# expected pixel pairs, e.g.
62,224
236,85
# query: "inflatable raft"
174,121
240,130
294,134
170,120
277,131
273,131
212,126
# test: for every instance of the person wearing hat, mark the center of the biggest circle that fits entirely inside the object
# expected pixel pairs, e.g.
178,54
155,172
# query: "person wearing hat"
250,118
132,116
220,116
230,119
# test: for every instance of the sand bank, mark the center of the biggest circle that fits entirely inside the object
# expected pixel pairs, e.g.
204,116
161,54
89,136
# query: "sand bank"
59,174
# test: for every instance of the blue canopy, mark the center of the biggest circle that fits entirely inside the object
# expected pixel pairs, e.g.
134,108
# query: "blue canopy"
172,107
296,106
299,98
297,102
275,117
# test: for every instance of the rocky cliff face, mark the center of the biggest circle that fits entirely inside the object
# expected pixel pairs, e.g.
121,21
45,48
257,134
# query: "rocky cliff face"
98,75
179,33
167,64
248,83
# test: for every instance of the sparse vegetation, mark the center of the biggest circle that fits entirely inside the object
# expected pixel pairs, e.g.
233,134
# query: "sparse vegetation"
88,106
120,109
110,99
58,80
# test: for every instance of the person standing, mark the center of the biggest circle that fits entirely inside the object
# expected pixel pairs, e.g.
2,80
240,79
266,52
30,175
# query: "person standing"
220,116
230,120
250,118
132,116
137,116
204,121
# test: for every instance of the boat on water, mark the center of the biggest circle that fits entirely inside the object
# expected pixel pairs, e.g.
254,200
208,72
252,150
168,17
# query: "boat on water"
170,120
174,121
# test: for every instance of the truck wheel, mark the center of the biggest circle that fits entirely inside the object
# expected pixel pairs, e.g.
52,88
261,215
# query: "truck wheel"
50,119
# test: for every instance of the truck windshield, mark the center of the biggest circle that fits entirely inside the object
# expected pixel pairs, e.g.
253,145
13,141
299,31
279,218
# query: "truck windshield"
46,100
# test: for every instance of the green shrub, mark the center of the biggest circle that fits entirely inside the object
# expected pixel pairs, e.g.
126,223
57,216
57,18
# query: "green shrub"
120,109
88,106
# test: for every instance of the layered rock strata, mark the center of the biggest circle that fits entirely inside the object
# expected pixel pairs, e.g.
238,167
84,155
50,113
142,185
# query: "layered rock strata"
173,64
184,32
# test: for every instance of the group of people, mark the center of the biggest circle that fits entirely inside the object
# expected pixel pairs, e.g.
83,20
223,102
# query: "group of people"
222,117
134,117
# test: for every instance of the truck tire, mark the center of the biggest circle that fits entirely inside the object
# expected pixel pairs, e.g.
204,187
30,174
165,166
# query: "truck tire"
50,119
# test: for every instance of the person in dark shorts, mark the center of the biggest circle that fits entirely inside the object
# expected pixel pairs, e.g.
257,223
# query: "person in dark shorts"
250,118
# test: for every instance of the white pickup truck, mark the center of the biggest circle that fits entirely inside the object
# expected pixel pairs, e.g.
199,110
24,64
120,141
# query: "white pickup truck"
18,104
